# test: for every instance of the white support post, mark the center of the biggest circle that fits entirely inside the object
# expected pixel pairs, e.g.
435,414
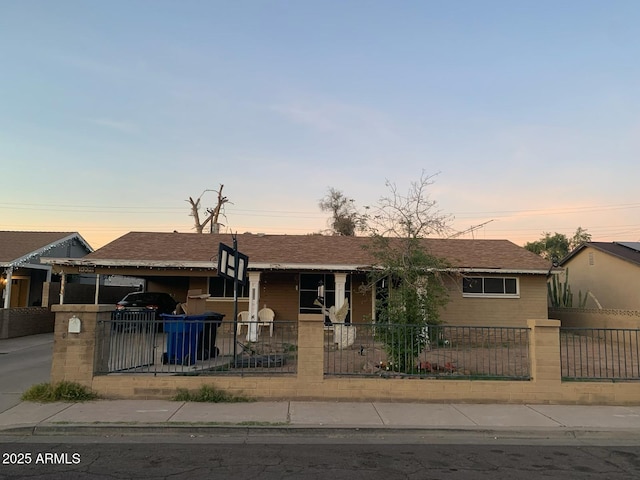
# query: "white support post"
341,281
254,302
7,288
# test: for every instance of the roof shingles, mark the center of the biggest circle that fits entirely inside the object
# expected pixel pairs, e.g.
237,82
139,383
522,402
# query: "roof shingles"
15,245
308,250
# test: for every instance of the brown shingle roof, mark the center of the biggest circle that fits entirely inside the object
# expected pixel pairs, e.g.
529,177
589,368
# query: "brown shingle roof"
146,247
15,245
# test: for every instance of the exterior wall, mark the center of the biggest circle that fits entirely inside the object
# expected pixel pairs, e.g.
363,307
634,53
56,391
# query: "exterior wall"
176,286
279,291
614,282
71,249
18,322
497,312
361,301
594,318
75,356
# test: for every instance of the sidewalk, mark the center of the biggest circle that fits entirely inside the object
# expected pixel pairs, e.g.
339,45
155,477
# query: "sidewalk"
149,416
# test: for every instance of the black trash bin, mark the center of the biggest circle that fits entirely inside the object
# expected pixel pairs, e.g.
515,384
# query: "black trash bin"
207,340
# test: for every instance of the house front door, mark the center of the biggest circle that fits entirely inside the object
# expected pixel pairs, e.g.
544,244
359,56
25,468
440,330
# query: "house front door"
19,292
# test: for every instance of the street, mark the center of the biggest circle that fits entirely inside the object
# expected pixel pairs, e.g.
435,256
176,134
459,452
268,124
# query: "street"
184,458
24,362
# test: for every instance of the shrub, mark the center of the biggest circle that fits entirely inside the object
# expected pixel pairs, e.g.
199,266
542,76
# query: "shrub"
210,394
60,392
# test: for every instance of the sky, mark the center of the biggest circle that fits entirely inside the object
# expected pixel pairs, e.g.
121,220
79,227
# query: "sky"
113,113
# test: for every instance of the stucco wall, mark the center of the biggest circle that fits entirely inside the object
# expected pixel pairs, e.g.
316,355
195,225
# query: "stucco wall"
498,312
613,281
279,291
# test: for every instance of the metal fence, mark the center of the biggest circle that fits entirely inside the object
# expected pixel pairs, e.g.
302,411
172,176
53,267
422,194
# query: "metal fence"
600,353
140,343
436,351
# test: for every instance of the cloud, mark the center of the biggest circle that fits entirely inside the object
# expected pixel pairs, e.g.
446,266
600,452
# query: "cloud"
340,118
90,65
121,126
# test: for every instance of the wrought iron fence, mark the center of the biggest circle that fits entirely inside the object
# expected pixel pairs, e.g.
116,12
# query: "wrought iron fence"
600,353
427,351
140,343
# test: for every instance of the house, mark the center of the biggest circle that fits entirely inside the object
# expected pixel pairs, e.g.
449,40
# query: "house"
490,282
610,271
22,273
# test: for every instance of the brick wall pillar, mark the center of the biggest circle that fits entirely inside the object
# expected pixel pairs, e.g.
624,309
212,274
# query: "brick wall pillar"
74,354
310,348
544,351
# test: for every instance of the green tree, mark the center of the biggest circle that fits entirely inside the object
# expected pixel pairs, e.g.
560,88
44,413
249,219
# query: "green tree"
558,245
581,236
550,246
345,218
408,279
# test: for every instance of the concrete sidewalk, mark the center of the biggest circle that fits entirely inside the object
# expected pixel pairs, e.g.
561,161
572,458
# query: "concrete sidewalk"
158,415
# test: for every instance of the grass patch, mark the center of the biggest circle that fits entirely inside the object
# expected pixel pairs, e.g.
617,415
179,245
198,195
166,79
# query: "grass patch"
59,392
210,394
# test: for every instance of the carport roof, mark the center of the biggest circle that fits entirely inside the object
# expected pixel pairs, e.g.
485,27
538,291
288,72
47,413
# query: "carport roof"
189,250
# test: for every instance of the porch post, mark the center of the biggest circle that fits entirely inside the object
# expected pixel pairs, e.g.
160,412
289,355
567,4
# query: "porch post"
341,281
63,283
97,295
7,288
254,302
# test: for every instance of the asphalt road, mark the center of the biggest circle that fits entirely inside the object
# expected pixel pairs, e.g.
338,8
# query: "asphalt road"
23,364
194,460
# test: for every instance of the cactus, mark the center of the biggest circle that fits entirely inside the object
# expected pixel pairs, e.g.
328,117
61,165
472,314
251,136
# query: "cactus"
560,294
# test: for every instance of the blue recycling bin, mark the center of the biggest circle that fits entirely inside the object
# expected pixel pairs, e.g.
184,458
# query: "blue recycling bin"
183,333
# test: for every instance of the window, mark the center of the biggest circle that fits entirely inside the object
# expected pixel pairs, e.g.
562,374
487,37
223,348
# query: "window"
223,288
309,291
489,287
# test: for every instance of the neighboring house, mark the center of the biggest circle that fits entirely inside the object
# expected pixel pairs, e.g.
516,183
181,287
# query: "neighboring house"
22,273
285,271
610,271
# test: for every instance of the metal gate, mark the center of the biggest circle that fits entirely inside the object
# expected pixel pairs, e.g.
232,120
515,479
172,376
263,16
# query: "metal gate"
132,339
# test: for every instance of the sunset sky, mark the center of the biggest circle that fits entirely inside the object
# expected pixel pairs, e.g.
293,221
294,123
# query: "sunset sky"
114,113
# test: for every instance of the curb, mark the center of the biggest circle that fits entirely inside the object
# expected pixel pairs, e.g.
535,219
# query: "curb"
289,431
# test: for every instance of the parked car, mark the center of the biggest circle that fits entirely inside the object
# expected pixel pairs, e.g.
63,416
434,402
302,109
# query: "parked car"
157,302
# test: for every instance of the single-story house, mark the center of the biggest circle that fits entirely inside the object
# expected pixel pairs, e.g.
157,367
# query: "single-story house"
491,282
22,272
610,271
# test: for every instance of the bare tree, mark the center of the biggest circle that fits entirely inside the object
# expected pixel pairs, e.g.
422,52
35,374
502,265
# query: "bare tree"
410,215
410,288
213,214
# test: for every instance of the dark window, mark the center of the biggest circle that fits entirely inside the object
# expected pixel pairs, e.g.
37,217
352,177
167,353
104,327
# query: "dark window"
309,283
510,286
494,285
472,285
223,288
489,286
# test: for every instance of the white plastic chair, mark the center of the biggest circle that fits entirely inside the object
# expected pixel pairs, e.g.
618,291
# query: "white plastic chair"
243,319
266,316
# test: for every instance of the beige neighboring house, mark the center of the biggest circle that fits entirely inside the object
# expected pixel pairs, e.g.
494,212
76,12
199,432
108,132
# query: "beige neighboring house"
491,282
22,274
610,271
